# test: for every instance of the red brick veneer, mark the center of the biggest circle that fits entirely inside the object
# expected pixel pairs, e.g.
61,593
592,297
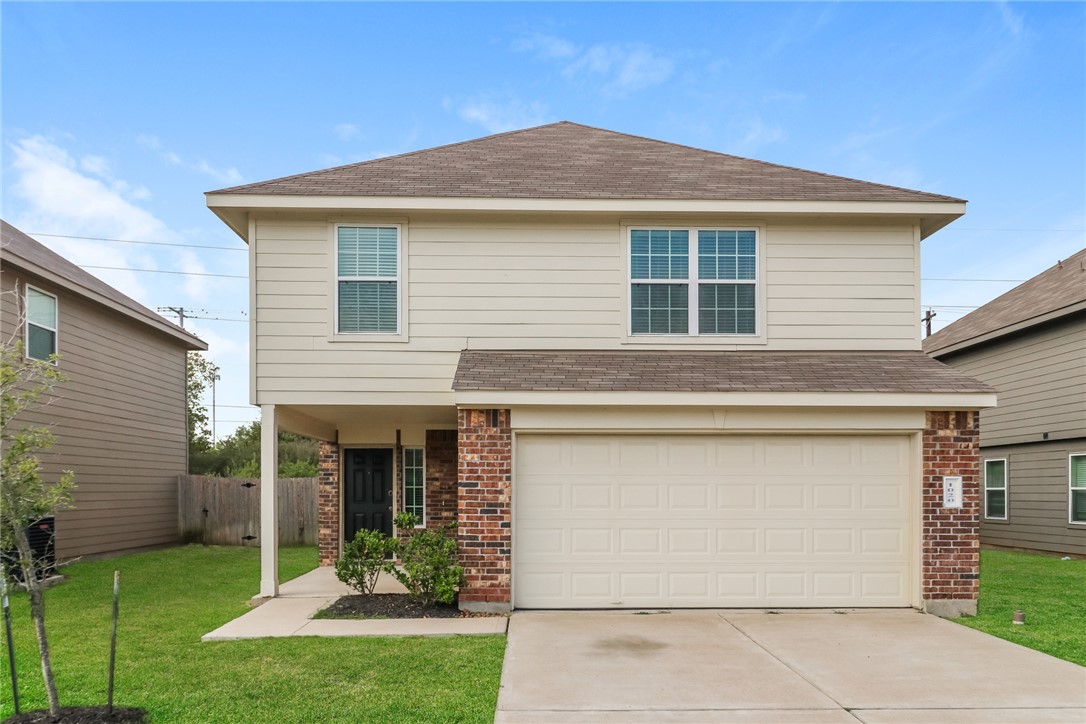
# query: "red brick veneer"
484,515
951,537
328,503
441,465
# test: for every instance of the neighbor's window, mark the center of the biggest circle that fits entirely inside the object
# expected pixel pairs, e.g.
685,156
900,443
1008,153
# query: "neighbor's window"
414,482
720,287
995,489
41,324
368,279
1078,487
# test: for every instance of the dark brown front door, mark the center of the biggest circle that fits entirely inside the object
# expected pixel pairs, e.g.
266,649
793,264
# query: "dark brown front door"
367,497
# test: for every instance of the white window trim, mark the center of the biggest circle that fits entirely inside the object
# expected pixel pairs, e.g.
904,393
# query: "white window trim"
693,335
1006,486
401,284
1070,497
421,449
26,325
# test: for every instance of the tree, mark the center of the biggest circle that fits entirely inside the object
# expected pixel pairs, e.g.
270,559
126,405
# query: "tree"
200,373
25,497
238,455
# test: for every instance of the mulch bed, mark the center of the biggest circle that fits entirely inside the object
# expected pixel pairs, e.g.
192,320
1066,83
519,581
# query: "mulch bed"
82,715
390,605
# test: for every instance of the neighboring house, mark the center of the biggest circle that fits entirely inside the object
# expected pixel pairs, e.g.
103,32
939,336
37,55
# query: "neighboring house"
119,419
636,374
1030,344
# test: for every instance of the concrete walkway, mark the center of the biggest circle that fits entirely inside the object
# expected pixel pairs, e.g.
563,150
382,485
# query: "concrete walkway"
880,667
290,614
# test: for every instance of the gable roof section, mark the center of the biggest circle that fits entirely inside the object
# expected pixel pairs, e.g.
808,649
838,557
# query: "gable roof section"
665,371
570,161
1058,291
19,250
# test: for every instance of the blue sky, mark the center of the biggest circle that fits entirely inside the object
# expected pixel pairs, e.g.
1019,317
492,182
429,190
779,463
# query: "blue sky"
118,117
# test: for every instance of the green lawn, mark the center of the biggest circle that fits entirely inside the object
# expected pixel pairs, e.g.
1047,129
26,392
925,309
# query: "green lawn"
1049,590
170,598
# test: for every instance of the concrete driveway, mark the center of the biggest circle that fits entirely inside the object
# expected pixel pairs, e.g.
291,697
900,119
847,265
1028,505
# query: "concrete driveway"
817,667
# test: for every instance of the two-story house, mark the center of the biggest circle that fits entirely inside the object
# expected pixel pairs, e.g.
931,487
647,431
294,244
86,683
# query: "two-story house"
634,373
1030,344
119,419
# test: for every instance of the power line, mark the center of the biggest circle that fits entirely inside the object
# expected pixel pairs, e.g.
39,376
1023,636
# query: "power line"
133,241
166,271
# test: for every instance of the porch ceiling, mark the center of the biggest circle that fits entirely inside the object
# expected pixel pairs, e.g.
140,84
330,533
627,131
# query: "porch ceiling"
341,416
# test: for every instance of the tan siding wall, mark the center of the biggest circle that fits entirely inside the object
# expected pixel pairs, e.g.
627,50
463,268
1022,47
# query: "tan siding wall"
559,285
1037,495
119,423
1041,379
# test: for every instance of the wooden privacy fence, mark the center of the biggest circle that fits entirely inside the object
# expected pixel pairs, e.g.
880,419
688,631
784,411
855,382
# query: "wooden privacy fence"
226,511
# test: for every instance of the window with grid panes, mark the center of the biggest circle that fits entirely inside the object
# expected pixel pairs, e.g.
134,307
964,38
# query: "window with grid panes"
368,279
715,295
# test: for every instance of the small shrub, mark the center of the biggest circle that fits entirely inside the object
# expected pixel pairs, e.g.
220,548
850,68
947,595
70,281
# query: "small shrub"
363,560
429,570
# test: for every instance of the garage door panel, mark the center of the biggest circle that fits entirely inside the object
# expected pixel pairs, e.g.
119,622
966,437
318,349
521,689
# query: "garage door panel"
704,521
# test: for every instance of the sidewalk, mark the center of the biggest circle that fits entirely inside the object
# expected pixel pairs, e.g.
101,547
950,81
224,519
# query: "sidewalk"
290,614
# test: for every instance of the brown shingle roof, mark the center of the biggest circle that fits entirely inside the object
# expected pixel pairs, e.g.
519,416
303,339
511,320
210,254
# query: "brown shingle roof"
667,371
21,251
569,161
1059,287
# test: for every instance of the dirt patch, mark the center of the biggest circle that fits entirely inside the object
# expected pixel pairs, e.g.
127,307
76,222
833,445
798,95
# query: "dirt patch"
82,715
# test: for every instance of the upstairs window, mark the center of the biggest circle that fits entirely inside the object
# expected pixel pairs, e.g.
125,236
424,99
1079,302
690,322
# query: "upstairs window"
41,324
715,295
995,489
368,279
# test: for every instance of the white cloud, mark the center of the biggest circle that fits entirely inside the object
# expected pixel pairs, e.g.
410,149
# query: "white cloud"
545,46
756,133
1012,21
619,68
498,116
346,131
229,175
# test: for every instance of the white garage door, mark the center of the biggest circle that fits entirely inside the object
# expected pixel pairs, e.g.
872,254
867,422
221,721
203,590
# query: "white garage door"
699,521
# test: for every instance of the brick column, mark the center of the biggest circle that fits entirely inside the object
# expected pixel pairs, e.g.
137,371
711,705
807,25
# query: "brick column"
441,471
328,513
951,536
484,515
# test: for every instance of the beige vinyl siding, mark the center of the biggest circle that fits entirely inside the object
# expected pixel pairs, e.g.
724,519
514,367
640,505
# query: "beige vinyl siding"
1041,379
504,283
1037,499
119,422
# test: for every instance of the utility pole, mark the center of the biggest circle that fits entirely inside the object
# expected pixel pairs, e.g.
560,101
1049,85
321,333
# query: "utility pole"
928,316
179,311
214,414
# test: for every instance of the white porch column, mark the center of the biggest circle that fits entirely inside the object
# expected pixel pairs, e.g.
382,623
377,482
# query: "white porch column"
269,503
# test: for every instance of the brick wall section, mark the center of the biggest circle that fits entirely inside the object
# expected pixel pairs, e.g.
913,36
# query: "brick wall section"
484,515
328,503
441,470
951,537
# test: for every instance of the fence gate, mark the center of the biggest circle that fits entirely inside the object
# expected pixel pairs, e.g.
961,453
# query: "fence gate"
226,511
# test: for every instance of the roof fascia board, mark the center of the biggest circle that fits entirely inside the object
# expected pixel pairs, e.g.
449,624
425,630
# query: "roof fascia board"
191,341
441,203
1009,329
922,400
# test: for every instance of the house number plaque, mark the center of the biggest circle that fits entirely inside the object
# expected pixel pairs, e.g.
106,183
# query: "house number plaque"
952,491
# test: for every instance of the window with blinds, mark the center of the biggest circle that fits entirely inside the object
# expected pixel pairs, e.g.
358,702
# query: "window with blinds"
995,489
715,295
1077,481
41,324
368,279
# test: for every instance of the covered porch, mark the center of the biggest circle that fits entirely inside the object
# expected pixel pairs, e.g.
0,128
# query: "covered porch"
378,461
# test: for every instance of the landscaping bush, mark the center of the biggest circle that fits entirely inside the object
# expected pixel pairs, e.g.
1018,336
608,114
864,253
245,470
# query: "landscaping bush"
363,559
429,570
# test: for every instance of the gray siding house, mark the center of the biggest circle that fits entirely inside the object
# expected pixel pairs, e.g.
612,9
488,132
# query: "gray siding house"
1030,344
120,418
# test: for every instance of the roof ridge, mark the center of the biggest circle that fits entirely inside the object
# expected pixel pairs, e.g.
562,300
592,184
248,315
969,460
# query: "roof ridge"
405,154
